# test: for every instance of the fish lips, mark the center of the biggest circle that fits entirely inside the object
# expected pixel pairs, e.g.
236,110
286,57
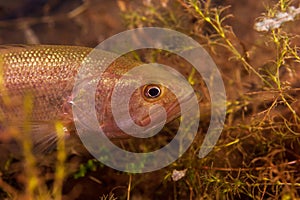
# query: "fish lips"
172,112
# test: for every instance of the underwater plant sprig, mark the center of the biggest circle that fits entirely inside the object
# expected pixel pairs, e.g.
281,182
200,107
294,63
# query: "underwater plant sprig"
215,19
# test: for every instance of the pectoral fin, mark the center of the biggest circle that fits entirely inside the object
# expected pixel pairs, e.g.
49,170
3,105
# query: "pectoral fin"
43,135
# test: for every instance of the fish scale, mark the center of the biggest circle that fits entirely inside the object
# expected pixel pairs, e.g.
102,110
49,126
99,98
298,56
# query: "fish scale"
48,72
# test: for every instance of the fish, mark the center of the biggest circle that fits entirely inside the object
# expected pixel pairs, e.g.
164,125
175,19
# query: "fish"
37,92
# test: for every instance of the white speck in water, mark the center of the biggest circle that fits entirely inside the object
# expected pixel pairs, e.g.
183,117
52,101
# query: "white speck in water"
178,174
267,24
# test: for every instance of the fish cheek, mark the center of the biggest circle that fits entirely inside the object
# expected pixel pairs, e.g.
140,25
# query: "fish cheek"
138,109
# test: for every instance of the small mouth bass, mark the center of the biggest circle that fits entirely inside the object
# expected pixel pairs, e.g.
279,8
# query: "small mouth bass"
40,78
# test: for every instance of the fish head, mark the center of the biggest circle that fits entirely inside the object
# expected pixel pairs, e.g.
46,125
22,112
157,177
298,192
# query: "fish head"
144,100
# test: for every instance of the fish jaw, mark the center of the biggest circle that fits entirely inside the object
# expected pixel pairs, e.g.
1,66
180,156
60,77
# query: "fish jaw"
158,119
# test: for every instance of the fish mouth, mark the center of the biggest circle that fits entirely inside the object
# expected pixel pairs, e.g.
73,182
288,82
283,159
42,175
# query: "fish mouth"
173,111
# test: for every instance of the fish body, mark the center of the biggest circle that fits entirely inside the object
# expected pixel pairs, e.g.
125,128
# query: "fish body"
44,77
45,72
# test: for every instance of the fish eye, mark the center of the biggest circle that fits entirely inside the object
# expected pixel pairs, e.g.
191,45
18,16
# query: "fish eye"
152,91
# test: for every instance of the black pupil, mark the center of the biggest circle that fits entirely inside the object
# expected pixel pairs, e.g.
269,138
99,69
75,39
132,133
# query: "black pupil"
154,92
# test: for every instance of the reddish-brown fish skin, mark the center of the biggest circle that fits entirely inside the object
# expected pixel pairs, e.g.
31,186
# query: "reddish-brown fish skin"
46,73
